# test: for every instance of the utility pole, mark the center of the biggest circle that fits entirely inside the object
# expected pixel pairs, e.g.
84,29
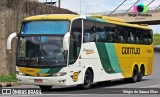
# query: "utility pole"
59,3
80,7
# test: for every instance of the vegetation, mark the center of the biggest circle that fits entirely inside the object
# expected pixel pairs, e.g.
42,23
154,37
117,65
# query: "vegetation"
8,78
156,39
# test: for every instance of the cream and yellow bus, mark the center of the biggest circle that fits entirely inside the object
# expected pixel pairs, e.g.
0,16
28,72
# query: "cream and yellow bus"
67,49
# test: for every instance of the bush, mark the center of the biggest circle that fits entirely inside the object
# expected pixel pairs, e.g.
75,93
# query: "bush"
8,78
156,39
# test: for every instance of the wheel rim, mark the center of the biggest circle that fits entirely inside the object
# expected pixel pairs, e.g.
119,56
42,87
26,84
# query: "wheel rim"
141,73
87,80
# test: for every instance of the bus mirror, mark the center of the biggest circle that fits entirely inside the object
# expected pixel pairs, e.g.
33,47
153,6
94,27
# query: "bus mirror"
66,41
9,40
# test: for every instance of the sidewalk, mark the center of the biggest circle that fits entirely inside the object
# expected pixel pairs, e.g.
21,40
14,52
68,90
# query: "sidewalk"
7,84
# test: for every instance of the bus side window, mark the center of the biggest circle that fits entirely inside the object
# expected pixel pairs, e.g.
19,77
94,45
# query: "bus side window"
108,36
87,36
111,33
100,33
131,37
89,31
121,34
138,36
147,37
93,34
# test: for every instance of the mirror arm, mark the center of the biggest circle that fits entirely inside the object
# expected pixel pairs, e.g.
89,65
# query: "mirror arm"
9,40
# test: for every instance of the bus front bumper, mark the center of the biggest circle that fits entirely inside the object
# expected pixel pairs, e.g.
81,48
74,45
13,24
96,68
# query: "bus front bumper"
52,81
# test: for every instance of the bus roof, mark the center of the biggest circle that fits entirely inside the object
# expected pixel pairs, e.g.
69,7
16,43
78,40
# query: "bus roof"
52,16
70,17
118,21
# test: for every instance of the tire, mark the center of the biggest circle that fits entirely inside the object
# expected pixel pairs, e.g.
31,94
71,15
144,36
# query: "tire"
134,77
88,79
45,88
140,74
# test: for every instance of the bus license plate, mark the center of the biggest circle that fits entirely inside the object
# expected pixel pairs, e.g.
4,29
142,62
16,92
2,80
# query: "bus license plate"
38,80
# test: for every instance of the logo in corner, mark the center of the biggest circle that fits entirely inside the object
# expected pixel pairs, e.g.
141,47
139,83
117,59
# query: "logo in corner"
140,12
140,8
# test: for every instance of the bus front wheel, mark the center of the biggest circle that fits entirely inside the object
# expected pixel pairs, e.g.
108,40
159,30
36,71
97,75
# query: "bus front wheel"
88,79
45,88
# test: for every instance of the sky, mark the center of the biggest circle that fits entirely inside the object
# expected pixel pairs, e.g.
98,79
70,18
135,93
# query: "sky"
94,6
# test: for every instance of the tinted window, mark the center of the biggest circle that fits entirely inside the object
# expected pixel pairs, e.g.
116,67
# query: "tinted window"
122,34
147,37
105,32
138,36
100,33
111,33
89,31
130,35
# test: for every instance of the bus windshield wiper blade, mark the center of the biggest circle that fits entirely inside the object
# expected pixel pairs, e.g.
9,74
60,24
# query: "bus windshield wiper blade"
31,57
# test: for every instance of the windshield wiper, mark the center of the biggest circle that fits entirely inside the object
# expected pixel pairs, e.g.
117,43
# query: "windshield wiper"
37,50
31,57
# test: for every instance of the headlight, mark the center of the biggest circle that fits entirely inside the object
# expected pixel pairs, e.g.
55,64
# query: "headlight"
60,74
19,73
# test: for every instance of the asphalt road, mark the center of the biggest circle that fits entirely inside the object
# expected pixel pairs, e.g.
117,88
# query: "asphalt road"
111,89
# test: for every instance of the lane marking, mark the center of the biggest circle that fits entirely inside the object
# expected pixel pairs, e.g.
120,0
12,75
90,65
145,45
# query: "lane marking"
151,86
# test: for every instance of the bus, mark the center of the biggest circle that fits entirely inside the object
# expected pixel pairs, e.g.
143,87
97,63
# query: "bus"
80,50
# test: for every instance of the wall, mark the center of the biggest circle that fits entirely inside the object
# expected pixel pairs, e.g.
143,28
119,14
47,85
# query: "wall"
12,13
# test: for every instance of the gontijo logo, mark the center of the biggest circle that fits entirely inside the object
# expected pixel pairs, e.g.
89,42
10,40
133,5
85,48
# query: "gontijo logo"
88,51
140,8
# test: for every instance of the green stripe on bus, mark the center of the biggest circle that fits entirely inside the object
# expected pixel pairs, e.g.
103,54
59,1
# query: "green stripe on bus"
54,70
95,19
44,71
105,61
113,57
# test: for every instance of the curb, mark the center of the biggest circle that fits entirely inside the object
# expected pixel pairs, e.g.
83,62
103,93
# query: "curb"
7,84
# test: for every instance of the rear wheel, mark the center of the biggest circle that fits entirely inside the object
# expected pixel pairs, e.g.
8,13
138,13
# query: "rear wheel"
45,88
141,74
88,79
134,77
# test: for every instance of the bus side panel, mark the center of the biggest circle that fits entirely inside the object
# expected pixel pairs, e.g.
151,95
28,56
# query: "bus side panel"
90,57
109,61
130,55
100,57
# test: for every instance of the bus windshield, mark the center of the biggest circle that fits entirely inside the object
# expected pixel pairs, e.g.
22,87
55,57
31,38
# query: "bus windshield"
41,44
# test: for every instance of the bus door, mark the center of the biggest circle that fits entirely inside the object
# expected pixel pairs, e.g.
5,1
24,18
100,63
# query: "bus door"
75,61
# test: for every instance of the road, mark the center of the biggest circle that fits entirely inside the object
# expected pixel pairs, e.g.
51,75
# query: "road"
110,88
